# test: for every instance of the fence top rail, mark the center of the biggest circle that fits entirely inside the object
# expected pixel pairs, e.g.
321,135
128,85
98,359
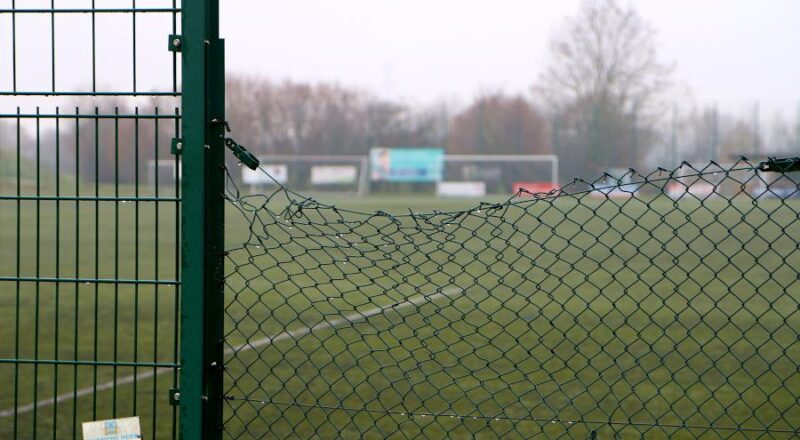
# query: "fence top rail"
79,93
89,10
89,116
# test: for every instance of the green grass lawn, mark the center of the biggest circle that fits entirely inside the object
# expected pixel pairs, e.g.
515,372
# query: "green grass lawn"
557,313
644,311
84,320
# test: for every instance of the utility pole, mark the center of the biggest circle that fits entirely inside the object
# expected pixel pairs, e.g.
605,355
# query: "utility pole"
673,139
635,137
756,134
797,130
714,133
554,135
593,138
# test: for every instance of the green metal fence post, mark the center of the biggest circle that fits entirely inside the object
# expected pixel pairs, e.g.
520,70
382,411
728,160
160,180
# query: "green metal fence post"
202,240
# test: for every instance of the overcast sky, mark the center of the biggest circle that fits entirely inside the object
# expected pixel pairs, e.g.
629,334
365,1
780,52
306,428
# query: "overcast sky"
730,51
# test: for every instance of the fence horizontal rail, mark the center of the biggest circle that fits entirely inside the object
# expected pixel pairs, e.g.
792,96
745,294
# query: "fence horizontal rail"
130,199
87,280
89,10
86,93
90,363
74,116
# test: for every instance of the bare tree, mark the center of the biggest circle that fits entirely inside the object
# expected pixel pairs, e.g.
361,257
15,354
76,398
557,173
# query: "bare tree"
8,136
604,83
300,118
110,149
797,132
8,151
500,124
783,136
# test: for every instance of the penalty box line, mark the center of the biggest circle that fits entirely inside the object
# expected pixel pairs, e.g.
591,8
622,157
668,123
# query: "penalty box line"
350,318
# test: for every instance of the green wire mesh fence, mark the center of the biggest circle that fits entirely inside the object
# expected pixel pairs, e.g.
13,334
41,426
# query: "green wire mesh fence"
665,306
90,207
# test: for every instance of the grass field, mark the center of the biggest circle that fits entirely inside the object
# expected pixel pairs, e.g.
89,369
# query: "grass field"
85,320
538,317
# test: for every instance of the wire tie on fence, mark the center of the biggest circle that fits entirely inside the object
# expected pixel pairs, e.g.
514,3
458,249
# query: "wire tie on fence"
246,157
783,165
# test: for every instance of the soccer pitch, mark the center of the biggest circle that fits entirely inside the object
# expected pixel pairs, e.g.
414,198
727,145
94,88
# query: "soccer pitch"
527,319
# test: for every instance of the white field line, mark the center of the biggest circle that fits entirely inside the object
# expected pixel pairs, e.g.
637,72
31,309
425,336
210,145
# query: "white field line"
83,392
350,318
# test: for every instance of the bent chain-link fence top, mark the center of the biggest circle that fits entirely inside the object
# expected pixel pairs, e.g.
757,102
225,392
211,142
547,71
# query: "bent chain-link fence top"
662,308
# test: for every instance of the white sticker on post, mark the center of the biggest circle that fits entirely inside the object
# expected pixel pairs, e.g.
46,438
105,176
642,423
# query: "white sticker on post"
114,429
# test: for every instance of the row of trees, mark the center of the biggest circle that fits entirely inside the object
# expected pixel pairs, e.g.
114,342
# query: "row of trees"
604,101
298,118
118,145
492,123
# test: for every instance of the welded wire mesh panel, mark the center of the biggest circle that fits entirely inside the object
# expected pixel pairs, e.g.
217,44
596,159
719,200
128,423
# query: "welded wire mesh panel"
667,306
89,215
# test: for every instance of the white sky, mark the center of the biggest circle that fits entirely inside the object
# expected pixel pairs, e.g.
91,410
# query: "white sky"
729,51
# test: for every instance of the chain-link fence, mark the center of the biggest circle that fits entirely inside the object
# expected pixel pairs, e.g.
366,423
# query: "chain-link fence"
665,306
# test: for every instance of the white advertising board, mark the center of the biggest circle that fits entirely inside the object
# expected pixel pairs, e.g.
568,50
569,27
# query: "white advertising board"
114,429
701,190
461,189
333,174
279,172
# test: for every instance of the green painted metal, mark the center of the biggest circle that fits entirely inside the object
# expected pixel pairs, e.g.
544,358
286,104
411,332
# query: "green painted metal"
89,251
202,222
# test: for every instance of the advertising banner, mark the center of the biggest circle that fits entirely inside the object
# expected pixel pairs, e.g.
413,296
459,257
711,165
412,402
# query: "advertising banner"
461,189
333,174
406,164
533,187
701,190
279,172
